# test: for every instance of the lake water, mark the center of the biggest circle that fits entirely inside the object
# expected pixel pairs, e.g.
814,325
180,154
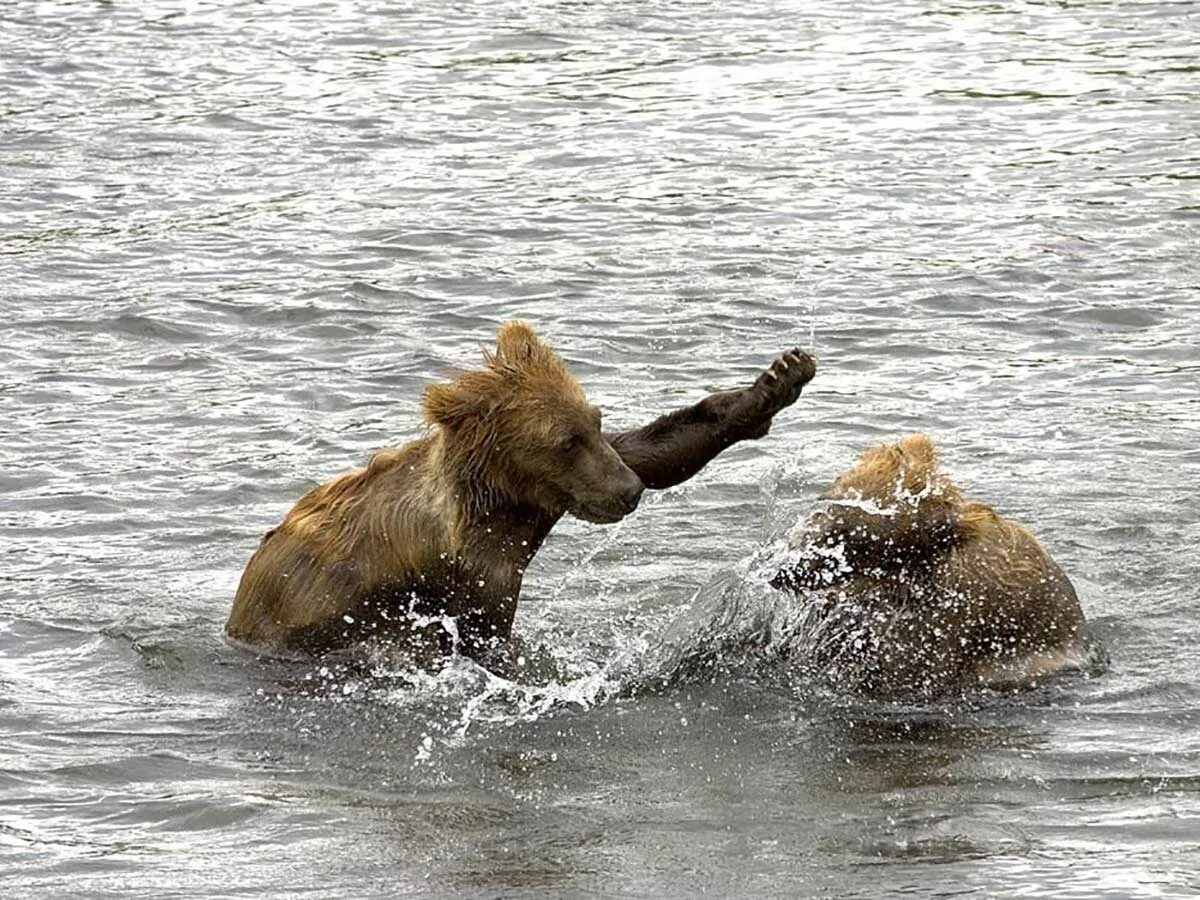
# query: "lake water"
237,239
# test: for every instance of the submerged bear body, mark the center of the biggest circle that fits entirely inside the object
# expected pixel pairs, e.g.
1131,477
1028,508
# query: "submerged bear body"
427,546
916,590
386,551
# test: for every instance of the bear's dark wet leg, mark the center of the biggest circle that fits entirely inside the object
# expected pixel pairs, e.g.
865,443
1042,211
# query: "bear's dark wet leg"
673,448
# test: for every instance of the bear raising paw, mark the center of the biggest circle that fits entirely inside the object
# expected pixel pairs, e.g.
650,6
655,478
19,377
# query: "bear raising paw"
426,547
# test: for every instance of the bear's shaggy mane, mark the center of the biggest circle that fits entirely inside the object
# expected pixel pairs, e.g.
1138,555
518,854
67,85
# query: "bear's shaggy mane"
900,474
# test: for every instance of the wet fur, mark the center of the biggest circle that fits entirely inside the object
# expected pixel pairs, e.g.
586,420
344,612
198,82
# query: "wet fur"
917,589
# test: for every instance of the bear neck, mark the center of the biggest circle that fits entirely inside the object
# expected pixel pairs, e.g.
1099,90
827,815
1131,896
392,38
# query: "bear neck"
488,500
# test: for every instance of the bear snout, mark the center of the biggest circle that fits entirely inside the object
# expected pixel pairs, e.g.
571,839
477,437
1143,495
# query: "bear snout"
612,500
631,493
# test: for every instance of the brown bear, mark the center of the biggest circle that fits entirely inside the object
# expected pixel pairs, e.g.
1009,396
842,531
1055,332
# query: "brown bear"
426,547
916,589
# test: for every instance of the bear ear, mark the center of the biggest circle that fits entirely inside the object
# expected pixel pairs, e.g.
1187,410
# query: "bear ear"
919,454
451,404
517,345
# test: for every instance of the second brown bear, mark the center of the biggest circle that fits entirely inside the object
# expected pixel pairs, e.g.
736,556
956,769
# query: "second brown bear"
917,590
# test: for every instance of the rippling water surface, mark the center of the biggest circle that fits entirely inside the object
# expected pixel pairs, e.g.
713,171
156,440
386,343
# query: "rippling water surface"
236,239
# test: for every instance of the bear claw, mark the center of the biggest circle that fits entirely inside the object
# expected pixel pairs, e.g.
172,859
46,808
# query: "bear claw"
794,369
775,389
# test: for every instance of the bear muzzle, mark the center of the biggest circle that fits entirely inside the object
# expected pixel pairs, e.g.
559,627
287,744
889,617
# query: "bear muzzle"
613,506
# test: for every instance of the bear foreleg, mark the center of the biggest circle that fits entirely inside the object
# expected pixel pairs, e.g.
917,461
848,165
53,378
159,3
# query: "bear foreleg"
674,447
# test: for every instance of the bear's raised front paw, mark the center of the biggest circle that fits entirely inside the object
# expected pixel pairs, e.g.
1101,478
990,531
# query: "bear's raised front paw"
775,389
783,380
746,413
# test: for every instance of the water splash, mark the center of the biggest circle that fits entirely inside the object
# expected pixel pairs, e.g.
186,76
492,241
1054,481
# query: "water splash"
804,281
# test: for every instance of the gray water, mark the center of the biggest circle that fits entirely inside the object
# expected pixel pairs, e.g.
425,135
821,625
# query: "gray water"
237,239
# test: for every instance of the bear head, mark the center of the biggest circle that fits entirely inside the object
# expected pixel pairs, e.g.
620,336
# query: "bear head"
891,513
521,431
